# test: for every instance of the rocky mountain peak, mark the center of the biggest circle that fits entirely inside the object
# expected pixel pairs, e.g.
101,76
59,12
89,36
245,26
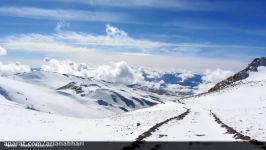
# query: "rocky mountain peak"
252,67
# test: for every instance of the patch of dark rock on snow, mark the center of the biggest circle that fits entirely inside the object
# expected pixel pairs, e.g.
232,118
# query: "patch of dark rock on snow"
162,135
78,89
32,108
138,100
128,102
4,93
124,109
102,102
64,93
82,95
90,85
148,102
68,86
200,134
65,75
72,85
154,98
114,98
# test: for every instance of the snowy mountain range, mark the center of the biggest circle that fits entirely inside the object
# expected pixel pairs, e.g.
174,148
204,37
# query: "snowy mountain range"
72,95
65,100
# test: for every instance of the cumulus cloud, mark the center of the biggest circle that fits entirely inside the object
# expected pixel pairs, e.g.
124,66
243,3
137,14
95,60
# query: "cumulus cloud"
13,68
65,67
211,77
2,51
119,72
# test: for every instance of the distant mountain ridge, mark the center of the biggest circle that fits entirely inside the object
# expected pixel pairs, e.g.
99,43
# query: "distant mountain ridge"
252,67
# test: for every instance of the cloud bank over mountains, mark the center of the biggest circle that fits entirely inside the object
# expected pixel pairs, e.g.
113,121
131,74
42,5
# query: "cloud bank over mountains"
123,73
13,68
211,77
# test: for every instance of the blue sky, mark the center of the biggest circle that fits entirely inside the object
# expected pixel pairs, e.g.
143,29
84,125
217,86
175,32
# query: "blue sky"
228,32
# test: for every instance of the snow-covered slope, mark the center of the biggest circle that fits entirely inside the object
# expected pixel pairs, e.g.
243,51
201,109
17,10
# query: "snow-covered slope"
18,123
46,100
241,106
75,96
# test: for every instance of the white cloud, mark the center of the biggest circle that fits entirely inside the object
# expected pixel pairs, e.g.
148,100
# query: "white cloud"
211,77
119,72
175,5
64,14
186,74
2,51
114,32
65,67
117,45
216,75
13,68
39,43
114,40
162,62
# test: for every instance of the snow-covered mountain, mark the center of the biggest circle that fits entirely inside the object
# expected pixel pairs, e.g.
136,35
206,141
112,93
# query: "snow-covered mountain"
72,89
178,83
46,90
256,68
73,95
163,82
69,107
239,107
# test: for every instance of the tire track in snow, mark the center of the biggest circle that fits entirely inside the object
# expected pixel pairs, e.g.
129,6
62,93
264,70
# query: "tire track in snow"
237,135
140,139
156,126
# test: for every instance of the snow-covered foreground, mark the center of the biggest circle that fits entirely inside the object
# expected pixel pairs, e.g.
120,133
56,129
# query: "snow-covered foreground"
21,124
